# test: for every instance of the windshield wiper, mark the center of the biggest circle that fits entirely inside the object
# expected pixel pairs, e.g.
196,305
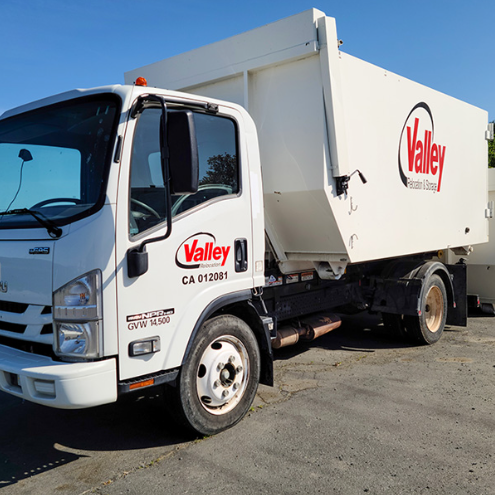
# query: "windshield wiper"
49,225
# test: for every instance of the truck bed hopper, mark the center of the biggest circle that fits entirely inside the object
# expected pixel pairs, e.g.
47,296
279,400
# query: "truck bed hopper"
321,115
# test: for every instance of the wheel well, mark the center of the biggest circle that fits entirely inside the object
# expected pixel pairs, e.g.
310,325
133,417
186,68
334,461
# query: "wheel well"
401,284
246,312
425,271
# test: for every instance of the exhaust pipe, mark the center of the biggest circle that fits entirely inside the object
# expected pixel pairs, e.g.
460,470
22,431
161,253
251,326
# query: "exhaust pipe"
310,328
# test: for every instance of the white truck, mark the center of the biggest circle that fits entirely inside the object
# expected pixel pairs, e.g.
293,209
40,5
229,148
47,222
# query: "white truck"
150,237
481,264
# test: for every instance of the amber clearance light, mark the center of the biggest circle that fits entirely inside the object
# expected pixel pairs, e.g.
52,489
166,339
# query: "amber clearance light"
141,81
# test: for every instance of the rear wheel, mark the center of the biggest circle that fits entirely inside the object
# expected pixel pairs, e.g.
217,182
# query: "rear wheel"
428,327
219,380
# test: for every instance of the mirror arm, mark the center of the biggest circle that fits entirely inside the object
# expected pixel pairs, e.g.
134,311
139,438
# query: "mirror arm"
137,258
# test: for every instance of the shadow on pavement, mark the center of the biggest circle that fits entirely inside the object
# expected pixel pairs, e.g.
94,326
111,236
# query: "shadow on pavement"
33,437
358,333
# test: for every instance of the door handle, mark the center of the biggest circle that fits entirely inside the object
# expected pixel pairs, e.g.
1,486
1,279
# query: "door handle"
240,249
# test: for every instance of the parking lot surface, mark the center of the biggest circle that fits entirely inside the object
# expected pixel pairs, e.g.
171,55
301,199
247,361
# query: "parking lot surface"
355,411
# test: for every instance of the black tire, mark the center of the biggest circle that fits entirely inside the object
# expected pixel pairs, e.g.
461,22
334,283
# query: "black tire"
428,327
218,382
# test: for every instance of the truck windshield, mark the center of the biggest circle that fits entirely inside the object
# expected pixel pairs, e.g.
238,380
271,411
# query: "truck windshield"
55,161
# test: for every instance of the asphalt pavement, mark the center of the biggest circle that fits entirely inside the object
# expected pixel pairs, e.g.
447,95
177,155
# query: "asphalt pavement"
356,411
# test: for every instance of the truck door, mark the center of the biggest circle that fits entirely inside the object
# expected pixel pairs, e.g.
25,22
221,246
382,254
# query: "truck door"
197,263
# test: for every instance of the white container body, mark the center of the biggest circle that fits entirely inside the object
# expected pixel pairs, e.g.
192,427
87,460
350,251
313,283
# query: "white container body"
322,114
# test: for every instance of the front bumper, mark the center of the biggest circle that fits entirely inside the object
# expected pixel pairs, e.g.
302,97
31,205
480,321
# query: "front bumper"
62,385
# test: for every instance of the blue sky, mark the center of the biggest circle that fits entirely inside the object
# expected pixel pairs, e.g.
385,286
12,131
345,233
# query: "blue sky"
50,46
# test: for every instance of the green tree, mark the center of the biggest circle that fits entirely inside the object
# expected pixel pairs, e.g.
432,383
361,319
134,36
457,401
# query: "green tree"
222,169
491,153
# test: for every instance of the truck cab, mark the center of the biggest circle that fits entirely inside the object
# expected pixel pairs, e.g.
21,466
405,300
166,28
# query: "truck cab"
127,219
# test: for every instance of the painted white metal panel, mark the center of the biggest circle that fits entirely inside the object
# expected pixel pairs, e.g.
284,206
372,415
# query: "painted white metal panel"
481,262
28,277
287,105
267,45
231,90
185,292
332,90
65,385
401,211
68,95
84,249
324,114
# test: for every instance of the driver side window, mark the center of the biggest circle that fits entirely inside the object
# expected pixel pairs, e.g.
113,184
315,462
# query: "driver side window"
218,168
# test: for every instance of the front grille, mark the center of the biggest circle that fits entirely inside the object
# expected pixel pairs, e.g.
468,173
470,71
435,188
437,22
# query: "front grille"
12,327
47,329
31,347
13,307
30,322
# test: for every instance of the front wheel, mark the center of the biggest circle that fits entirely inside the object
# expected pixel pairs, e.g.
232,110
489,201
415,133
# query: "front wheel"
428,326
218,382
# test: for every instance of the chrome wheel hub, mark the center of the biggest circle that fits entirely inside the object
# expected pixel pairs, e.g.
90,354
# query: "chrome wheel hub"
223,374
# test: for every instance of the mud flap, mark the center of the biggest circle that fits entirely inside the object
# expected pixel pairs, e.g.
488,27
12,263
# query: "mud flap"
457,312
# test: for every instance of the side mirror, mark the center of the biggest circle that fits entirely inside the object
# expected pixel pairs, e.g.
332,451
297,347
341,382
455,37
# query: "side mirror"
137,262
183,151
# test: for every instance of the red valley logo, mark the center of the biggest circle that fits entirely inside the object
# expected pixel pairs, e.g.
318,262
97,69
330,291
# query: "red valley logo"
200,251
425,158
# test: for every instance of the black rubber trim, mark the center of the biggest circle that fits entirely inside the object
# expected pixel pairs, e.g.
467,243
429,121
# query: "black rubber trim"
159,378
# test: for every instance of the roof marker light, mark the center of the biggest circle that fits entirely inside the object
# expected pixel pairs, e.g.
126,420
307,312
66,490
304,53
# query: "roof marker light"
141,81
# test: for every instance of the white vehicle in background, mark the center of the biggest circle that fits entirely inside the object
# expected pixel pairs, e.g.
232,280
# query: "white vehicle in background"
481,264
150,237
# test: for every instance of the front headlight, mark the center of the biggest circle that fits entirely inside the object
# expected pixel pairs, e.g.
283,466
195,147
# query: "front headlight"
77,318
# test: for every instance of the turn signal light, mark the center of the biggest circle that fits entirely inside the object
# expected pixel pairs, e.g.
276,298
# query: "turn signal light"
144,383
